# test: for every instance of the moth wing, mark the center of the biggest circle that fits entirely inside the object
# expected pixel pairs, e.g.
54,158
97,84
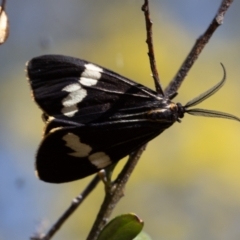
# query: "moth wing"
73,89
71,153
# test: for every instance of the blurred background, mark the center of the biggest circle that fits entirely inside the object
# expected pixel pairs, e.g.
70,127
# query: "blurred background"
187,184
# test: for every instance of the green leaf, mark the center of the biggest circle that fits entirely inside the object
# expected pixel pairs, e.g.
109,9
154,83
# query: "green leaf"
123,227
142,236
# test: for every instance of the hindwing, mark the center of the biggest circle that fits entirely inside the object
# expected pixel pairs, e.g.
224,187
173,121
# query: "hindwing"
68,153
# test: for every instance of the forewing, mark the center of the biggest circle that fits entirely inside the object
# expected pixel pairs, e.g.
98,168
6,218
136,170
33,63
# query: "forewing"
73,89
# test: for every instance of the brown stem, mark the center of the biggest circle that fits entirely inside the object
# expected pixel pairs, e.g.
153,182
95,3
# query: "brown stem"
114,194
74,205
149,41
197,49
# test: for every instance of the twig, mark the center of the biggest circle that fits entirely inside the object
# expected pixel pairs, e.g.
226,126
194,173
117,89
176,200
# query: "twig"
74,205
149,41
197,49
114,194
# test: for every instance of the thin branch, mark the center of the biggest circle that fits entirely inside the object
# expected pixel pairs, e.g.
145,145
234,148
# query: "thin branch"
197,49
149,41
74,205
114,194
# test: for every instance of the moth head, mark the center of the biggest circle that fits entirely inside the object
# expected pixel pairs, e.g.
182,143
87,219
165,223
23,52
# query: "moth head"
201,98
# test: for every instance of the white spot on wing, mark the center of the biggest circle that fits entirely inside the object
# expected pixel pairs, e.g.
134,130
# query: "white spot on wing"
89,77
76,95
87,81
69,111
100,159
74,142
72,87
91,74
93,67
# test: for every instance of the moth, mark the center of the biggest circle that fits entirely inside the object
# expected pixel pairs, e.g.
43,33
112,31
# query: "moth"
94,117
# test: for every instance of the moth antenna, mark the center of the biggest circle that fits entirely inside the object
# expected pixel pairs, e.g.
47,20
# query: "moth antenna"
205,95
208,93
211,113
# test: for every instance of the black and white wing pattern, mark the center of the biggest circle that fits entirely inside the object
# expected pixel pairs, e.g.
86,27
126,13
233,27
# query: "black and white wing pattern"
94,117
71,153
75,90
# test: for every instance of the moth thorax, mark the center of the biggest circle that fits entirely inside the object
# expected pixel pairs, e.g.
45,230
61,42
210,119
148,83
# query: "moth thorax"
167,114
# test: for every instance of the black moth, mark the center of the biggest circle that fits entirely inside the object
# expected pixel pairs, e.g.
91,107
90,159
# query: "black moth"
95,117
